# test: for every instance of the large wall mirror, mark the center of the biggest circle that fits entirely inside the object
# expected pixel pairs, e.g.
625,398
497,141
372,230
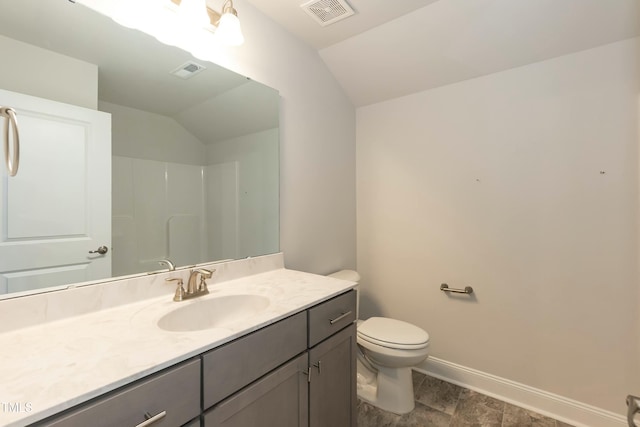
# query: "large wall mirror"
190,169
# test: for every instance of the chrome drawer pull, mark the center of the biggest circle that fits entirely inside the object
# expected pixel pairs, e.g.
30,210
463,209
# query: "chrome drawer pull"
152,419
339,318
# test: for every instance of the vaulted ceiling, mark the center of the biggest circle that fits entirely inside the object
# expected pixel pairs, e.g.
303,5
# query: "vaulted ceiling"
389,49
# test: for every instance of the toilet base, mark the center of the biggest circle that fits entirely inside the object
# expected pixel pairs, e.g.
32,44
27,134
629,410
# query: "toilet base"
390,389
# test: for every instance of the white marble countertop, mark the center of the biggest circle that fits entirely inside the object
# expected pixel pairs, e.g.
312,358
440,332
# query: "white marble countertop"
49,367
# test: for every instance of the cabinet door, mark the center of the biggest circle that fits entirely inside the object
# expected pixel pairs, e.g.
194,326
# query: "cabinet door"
332,390
280,399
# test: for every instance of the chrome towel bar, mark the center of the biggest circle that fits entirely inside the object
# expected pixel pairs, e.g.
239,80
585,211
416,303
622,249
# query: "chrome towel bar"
12,161
445,288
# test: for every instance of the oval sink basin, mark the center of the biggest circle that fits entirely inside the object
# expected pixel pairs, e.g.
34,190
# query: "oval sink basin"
219,312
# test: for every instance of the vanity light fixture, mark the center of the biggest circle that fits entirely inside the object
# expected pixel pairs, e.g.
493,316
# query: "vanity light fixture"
227,25
193,12
190,25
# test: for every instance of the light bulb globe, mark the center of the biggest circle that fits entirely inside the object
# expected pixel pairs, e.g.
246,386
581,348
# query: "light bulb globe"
229,31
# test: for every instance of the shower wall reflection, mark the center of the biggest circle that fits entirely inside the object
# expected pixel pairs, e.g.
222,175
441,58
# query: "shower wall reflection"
232,193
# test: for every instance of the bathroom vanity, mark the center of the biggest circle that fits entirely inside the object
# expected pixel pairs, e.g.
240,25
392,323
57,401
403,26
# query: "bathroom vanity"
290,364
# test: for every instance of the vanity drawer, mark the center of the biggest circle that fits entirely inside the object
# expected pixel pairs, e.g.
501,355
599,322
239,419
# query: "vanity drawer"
331,316
176,392
229,368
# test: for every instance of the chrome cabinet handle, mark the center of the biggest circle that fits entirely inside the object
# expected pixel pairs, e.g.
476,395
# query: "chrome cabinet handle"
308,374
339,318
101,250
12,161
152,419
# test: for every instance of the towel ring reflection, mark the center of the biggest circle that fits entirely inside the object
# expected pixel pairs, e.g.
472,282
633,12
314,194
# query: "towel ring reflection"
12,161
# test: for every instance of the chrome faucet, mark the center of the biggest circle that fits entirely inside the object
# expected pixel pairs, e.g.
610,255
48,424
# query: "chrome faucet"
195,288
168,263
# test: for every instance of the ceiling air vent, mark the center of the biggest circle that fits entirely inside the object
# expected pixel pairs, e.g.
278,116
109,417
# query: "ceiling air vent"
327,12
188,70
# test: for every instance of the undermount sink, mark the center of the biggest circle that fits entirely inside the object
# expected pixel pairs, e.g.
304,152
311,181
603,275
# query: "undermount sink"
217,312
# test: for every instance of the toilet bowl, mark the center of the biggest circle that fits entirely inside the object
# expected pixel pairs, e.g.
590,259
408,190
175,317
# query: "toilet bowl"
387,350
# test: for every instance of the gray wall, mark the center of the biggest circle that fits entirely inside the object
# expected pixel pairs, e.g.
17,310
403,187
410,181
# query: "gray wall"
46,74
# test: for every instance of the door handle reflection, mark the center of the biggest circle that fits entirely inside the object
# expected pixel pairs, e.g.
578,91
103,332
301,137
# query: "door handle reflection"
101,250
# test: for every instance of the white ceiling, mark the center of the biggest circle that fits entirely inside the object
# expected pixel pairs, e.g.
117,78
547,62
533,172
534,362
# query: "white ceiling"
368,14
394,48
386,50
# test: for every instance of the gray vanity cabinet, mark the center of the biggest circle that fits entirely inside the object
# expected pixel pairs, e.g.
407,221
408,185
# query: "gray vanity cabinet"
315,389
229,368
279,399
259,379
332,362
332,389
171,397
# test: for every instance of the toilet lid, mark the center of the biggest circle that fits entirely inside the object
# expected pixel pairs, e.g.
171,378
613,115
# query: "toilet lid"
393,333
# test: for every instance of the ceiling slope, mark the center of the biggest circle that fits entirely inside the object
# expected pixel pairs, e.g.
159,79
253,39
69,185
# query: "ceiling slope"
368,14
453,40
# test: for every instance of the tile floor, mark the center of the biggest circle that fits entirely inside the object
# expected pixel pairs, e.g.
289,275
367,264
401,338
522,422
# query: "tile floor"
442,404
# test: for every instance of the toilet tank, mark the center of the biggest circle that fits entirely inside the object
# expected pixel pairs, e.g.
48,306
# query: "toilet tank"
352,276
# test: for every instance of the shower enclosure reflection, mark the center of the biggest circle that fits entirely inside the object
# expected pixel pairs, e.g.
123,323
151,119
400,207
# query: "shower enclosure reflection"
232,193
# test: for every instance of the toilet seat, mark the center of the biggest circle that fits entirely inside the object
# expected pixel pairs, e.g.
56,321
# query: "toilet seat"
392,333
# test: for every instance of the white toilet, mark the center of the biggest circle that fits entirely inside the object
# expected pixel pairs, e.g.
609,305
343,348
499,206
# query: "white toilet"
388,350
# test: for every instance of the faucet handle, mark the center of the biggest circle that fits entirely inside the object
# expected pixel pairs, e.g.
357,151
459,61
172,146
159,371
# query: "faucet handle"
204,274
179,296
202,286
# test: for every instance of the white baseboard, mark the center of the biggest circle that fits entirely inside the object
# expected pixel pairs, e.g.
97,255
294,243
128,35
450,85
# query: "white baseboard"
552,405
